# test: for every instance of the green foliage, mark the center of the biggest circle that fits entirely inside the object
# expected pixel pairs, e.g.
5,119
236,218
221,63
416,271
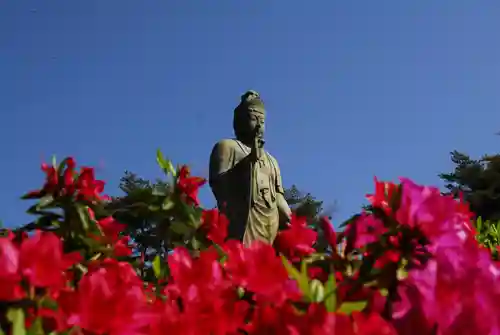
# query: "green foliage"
16,317
140,209
488,234
305,204
478,180
331,293
155,219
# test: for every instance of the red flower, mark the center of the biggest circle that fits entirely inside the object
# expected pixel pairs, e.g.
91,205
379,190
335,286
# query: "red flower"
330,236
58,318
68,176
285,320
373,324
208,300
42,260
316,272
204,271
110,300
111,235
188,186
10,288
425,208
121,248
215,225
297,241
51,184
258,270
388,257
52,179
85,186
345,290
384,194
111,228
88,188
362,231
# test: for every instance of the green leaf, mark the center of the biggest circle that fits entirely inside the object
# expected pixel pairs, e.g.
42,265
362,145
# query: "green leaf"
157,266
479,223
153,208
72,330
45,201
165,164
54,161
303,269
180,228
62,165
317,290
241,292
352,306
158,192
91,242
84,216
36,327
49,303
302,281
350,220
315,257
167,204
493,228
31,195
16,317
34,210
331,293
195,244
221,252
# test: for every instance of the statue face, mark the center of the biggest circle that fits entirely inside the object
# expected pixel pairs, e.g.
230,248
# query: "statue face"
257,120
249,122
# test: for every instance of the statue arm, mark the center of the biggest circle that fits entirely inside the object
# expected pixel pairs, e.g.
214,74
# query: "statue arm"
220,164
285,213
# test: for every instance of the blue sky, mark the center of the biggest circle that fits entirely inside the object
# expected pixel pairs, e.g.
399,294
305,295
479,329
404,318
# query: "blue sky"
353,89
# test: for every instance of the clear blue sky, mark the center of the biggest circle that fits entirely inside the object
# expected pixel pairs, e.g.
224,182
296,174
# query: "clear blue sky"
353,88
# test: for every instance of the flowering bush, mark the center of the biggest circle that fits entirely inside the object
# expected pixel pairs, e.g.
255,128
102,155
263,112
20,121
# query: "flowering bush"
409,263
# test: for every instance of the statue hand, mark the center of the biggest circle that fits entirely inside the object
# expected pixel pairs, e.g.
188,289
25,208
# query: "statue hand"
258,145
257,148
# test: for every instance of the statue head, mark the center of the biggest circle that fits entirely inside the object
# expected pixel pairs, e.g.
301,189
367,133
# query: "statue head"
249,117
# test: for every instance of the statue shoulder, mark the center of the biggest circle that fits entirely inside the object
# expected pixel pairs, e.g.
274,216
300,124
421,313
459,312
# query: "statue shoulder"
224,146
274,161
225,143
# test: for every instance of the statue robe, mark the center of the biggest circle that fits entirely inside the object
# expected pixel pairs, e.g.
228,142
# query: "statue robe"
246,192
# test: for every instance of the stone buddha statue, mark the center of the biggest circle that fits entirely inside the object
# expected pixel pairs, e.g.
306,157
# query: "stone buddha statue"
246,180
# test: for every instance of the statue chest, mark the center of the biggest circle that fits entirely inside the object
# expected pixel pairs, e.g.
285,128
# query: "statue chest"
264,171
